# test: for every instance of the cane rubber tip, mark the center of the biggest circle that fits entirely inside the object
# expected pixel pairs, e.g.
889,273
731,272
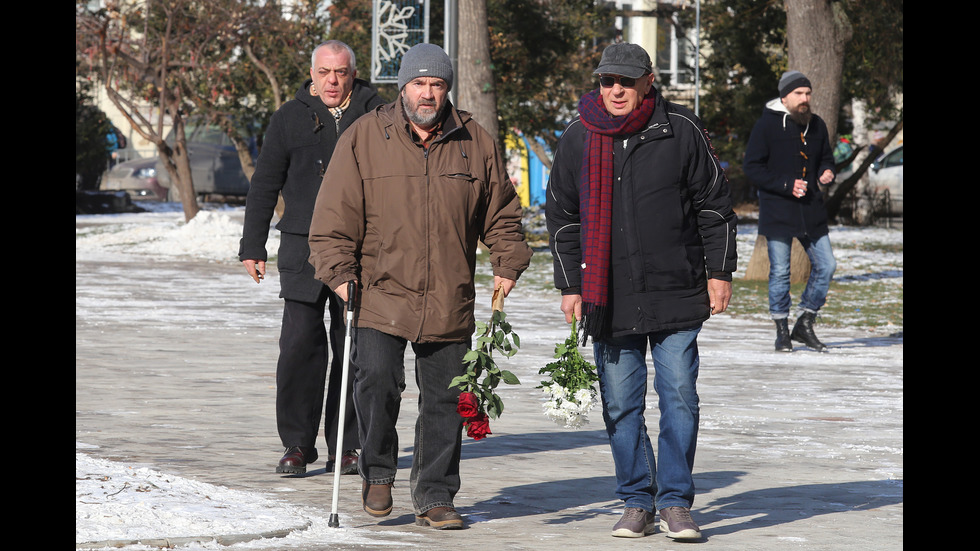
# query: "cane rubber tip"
334,521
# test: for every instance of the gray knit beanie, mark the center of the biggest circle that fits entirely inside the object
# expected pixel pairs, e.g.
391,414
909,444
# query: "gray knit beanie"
425,60
791,80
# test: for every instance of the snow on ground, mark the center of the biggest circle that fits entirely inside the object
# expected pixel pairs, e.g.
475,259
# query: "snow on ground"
129,502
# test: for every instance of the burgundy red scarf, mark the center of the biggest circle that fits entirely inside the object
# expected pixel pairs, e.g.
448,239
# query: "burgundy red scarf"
595,197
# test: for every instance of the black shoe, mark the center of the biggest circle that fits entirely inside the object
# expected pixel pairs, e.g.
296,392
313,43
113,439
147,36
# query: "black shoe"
783,342
348,462
803,332
295,460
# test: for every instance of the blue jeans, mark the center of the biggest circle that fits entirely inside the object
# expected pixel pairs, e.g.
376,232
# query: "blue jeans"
622,368
822,267
379,378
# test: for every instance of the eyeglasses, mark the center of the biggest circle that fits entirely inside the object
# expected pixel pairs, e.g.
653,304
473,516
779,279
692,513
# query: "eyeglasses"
607,81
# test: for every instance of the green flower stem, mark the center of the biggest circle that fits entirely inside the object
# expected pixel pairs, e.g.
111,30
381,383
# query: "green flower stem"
496,336
571,371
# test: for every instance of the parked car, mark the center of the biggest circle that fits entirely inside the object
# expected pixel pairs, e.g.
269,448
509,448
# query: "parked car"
137,177
215,165
887,177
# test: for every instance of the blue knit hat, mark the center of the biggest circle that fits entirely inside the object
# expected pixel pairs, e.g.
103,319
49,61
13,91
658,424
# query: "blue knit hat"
425,60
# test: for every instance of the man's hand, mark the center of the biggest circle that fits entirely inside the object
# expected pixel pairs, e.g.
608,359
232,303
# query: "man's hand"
341,290
799,188
719,294
256,269
827,177
508,284
572,306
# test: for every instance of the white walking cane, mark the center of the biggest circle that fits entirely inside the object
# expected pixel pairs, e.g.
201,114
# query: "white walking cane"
351,293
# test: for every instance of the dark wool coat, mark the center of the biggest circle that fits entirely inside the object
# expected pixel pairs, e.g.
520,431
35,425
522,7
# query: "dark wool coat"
773,160
296,151
672,221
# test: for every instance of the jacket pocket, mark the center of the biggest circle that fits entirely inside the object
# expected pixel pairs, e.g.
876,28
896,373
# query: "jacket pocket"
294,253
461,188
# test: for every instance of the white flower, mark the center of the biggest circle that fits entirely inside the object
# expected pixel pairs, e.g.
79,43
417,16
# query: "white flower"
584,396
568,408
559,392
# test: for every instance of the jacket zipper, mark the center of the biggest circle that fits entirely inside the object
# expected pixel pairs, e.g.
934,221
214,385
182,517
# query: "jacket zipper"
425,232
426,221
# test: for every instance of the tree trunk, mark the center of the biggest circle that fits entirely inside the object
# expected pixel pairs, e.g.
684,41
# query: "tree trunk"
817,32
178,164
474,82
758,269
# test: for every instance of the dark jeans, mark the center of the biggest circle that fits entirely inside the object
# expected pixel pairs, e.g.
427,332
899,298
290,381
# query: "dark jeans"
379,379
301,375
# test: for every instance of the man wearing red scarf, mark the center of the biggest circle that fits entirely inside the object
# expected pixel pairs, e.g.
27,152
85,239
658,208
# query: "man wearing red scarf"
643,236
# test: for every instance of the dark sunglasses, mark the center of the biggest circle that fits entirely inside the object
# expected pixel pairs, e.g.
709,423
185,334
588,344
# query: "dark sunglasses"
607,81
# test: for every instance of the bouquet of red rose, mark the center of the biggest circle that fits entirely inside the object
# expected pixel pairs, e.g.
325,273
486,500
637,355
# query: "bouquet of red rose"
478,402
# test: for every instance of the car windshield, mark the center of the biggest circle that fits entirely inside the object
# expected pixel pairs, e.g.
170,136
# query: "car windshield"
895,158
205,134
202,134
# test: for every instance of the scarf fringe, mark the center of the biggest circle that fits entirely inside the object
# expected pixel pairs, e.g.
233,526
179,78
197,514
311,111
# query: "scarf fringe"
595,322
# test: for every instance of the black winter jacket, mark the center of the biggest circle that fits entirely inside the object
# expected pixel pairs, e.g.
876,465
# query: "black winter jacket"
297,148
672,222
773,161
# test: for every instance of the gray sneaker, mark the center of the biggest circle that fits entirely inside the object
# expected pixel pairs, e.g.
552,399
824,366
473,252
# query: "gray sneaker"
635,523
678,524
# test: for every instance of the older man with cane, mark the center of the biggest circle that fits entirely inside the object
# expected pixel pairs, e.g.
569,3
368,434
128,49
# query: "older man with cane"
413,187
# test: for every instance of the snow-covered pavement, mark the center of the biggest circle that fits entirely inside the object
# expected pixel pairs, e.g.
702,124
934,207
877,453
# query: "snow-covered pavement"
176,441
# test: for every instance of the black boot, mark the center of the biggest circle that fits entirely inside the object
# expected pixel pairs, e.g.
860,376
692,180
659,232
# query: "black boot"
803,332
783,343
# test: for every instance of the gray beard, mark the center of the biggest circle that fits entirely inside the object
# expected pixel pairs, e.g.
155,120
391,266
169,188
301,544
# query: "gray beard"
422,121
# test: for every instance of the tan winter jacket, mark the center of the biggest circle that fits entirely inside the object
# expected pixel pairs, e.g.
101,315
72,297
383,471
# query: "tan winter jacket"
404,221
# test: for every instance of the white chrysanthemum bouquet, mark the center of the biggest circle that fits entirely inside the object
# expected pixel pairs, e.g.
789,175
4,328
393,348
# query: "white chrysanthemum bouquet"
571,391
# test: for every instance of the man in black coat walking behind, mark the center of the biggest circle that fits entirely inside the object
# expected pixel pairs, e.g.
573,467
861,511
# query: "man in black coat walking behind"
788,154
298,145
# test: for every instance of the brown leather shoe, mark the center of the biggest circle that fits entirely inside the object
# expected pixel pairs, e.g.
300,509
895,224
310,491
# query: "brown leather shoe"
295,460
440,518
377,499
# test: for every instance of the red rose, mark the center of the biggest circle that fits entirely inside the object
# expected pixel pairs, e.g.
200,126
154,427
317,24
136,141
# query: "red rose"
478,427
469,405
